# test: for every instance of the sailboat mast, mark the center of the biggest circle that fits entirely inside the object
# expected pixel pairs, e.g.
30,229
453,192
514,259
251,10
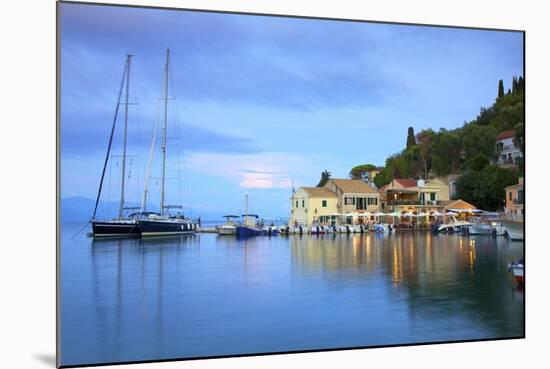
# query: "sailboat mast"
109,146
164,131
125,136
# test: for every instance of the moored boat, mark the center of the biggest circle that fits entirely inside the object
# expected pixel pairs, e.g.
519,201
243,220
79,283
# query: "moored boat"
249,226
229,227
115,228
517,269
164,224
454,226
480,229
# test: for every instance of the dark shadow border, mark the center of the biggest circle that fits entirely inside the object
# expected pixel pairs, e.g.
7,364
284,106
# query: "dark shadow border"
58,182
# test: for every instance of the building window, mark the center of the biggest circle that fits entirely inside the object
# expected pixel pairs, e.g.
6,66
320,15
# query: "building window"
510,195
324,203
432,196
372,201
296,203
349,200
303,203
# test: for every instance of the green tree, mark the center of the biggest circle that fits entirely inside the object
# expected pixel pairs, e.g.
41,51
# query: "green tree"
446,153
325,176
478,162
411,141
424,140
361,171
485,188
500,88
478,141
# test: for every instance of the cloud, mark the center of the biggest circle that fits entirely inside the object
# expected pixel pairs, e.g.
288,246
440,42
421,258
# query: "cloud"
268,170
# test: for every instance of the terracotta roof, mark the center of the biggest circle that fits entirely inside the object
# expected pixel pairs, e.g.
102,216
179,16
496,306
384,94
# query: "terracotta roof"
318,192
383,188
353,186
506,134
406,182
517,185
459,204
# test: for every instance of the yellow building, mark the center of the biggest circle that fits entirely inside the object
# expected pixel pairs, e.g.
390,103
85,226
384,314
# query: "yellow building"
356,199
314,205
515,196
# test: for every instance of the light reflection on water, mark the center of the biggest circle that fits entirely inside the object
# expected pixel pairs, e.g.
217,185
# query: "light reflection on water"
204,295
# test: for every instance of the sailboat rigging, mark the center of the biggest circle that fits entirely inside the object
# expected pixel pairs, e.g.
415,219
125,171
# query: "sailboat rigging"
120,226
163,223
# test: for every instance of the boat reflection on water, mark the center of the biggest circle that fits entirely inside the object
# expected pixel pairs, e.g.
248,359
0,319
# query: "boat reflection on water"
204,294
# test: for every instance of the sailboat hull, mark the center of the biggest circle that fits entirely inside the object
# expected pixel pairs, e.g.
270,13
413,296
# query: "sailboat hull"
115,228
165,228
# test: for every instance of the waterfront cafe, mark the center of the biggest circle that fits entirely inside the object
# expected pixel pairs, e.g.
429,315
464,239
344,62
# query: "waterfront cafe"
362,217
415,196
461,209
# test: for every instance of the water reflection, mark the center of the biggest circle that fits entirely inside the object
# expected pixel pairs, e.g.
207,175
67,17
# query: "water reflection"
204,295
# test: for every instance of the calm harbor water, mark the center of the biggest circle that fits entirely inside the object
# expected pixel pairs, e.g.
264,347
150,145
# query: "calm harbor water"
205,295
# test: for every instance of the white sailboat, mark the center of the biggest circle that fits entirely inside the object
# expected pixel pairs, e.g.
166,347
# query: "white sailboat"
163,224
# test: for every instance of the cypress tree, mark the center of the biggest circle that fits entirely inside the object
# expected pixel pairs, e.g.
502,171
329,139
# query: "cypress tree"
500,88
411,141
514,84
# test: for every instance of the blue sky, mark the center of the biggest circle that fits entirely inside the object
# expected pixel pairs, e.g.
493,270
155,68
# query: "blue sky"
262,101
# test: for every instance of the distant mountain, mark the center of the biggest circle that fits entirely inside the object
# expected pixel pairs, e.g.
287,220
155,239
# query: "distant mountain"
78,208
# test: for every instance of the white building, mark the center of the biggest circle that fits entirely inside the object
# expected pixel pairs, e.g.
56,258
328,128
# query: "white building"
507,153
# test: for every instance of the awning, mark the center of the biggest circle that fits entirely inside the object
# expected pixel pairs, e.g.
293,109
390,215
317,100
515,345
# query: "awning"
466,210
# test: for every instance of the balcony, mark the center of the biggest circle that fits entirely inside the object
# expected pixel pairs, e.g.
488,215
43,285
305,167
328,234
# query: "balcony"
413,202
518,201
501,148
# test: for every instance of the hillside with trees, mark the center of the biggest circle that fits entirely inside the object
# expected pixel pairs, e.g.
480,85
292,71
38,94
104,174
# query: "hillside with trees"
468,151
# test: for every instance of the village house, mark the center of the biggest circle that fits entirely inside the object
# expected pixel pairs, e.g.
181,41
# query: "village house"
403,195
355,198
515,198
507,152
314,205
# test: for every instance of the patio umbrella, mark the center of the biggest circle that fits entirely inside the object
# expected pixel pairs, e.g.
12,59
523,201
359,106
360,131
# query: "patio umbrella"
436,214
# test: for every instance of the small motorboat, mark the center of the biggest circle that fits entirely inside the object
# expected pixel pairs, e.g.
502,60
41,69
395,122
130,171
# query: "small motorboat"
498,229
517,269
317,229
270,230
381,228
285,230
229,227
454,226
